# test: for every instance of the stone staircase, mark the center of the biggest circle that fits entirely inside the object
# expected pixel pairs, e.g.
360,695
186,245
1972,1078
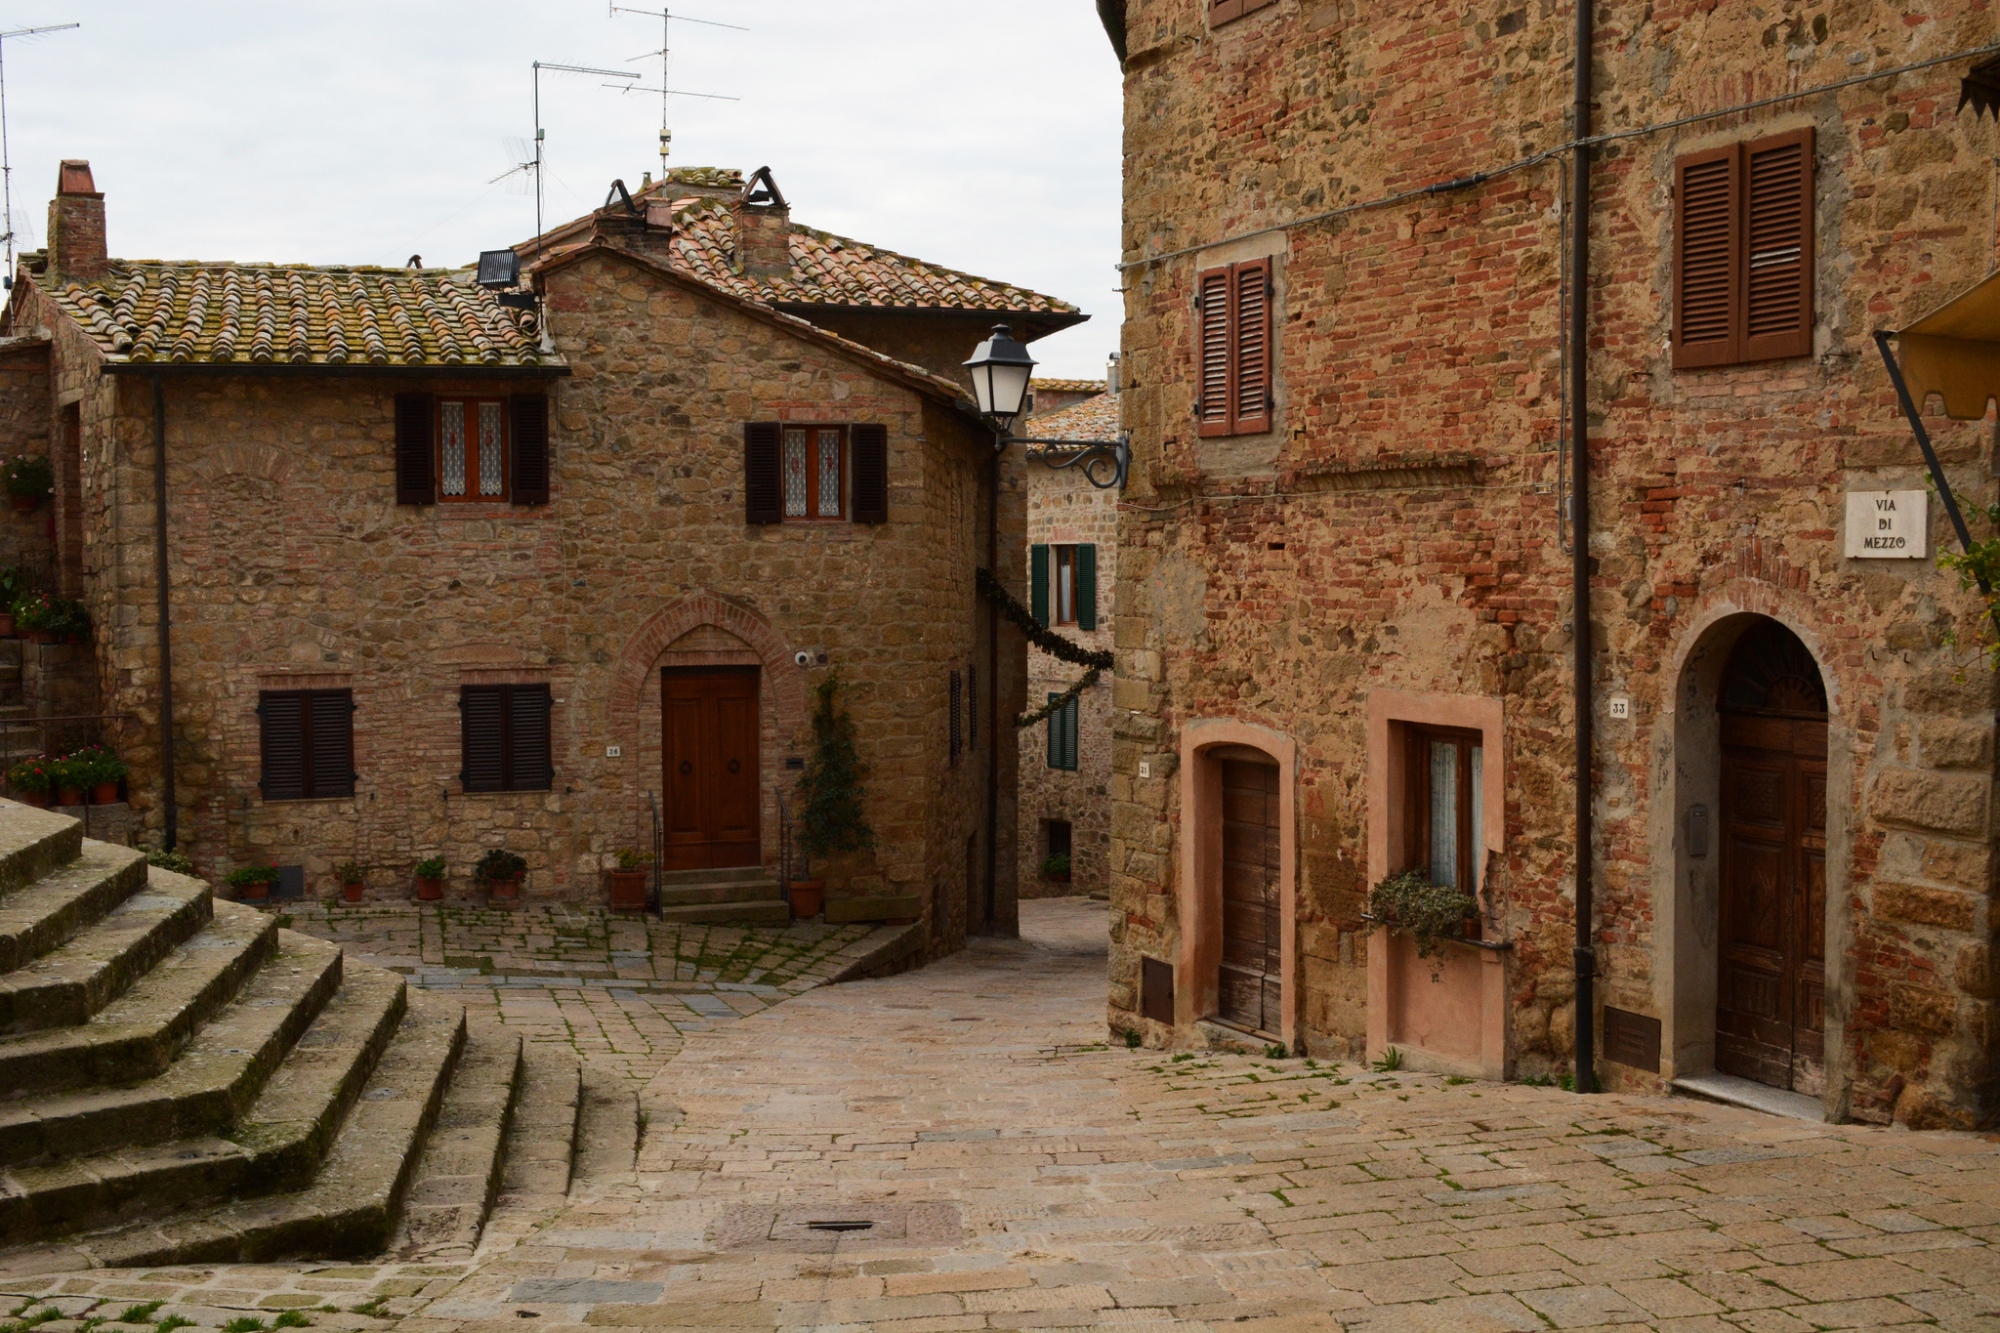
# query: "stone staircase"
182,1081
749,896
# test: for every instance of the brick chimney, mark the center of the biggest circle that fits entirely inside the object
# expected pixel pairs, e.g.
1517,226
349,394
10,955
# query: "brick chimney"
763,228
76,224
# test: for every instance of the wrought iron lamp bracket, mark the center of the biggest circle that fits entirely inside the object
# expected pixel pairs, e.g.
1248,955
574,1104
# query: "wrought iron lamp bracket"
1104,463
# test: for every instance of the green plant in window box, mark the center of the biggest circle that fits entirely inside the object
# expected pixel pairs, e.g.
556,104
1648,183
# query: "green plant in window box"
252,882
1428,913
500,871
1056,867
29,478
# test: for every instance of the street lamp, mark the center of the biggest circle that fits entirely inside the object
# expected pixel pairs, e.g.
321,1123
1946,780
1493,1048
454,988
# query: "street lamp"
1001,368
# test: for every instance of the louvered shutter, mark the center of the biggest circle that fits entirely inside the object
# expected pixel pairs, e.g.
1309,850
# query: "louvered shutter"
1038,584
284,745
1708,259
330,742
482,723
1250,350
763,479
530,764
1213,380
414,480
1055,734
870,445
1086,587
531,448
1778,218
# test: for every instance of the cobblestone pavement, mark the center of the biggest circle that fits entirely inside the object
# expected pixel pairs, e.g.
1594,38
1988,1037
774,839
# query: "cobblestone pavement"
1019,1173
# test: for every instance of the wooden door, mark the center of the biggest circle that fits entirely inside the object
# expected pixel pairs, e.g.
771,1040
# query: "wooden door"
708,742
1248,993
1770,1000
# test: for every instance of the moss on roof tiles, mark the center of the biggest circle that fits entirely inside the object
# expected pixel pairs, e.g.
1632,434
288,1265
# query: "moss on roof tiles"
261,314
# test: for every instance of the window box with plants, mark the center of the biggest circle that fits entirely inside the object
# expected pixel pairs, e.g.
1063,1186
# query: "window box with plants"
353,881
1432,915
252,882
628,881
29,479
499,872
831,819
429,874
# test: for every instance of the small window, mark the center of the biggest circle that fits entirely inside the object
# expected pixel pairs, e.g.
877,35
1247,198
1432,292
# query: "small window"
1062,735
505,738
1062,585
1065,589
1060,837
814,459
1445,792
308,744
1223,11
472,450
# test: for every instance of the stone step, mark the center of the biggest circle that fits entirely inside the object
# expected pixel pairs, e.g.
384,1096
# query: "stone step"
607,1138
137,1035
731,875
279,1145
881,907
541,1150
208,1088
350,1210
68,984
730,914
36,918
34,842
730,891
466,1154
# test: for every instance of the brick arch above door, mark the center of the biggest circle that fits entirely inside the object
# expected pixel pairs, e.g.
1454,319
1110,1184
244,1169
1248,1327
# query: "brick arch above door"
634,683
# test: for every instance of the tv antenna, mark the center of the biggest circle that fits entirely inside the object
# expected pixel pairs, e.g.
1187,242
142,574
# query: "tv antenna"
666,89
6,162
538,162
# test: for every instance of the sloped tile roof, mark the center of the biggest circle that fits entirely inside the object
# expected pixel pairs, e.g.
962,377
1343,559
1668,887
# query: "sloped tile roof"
1092,419
1070,386
149,311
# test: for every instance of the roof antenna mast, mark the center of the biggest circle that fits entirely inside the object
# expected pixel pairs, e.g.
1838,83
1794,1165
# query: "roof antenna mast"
665,53
537,163
6,163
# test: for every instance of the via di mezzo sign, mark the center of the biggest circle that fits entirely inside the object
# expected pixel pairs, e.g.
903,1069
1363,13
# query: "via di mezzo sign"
1888,525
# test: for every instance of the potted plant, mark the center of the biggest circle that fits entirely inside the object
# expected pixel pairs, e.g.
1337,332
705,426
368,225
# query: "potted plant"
99,771
13,582
500,871
252,882
628,881
31,779
430,879
33,614
1430,914
68,621
352,881
67,777
29,478
830,795
1056,868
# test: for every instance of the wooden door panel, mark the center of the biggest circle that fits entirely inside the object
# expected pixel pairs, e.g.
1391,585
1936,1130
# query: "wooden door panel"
711,782
1753,903
1248,985
681,732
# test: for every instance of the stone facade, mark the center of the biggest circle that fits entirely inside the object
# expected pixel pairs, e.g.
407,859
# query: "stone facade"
1394,542
1064,508
293,566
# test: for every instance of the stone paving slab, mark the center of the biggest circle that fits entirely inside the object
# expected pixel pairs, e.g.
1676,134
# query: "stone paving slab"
1021,1172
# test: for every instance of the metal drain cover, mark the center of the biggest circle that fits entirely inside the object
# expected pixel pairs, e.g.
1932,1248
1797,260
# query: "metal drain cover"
846,1225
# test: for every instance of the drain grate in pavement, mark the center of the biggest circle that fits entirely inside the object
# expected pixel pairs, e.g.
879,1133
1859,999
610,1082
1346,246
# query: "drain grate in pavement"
839,1226
817,1228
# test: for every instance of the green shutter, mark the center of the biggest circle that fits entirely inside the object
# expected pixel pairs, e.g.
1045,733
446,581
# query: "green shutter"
1086,587
1038,583
1062,735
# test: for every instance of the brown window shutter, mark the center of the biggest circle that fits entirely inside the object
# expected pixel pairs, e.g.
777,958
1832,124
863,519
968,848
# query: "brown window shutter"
530,763
1213,380
482,731
282,713
530,412
1708,259
1222,11
763,480
330,742
414,483
870,444
1778,245
1250,405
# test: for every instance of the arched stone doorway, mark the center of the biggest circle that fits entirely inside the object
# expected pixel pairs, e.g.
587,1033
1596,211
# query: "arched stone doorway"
1771,827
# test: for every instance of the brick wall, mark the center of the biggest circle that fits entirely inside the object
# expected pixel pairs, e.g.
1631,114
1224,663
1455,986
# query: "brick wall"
1398,529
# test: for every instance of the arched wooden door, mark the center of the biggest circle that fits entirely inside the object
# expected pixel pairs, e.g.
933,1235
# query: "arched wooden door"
708,744
1770,1000
1248,991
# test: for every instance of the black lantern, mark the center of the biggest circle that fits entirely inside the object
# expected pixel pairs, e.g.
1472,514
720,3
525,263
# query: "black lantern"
1001,368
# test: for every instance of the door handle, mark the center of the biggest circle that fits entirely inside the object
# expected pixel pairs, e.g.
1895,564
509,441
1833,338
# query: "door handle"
687,768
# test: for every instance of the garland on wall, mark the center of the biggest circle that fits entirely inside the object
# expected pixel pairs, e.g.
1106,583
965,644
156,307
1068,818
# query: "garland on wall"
1096,662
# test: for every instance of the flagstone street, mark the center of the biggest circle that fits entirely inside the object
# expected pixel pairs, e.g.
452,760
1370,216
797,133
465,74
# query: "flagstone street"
1014,1171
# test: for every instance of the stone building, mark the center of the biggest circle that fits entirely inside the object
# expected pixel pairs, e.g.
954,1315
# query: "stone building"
440,571
1345,626
1073,582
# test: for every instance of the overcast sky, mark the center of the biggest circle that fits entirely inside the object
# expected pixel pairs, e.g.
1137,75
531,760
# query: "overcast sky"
982,136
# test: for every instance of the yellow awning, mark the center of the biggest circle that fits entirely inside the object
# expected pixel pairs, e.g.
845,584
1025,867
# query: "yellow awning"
1954,352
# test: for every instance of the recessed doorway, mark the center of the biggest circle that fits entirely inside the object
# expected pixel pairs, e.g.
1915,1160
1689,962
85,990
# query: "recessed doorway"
708,736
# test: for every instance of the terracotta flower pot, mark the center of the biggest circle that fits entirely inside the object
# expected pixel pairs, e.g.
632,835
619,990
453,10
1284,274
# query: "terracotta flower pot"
504,890
40,636
628,890
351,893
69,796
6,624
104,793
74,637
256,893
35,798
25,504
808,896
430,890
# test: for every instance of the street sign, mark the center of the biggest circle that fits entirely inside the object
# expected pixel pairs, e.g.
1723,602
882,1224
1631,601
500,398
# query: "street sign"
1888,525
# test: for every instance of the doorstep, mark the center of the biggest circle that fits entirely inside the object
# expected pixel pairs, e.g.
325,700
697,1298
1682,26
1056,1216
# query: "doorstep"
1734,1091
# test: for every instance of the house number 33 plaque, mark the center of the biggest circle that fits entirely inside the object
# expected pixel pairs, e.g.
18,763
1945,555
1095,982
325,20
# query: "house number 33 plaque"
1888,525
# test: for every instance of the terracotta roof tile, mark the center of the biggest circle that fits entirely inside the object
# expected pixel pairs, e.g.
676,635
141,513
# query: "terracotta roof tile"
1092,419
1070,386
249,314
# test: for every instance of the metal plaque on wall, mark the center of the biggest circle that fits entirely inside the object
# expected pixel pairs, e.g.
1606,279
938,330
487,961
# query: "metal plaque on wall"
1888,525
1632,1039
